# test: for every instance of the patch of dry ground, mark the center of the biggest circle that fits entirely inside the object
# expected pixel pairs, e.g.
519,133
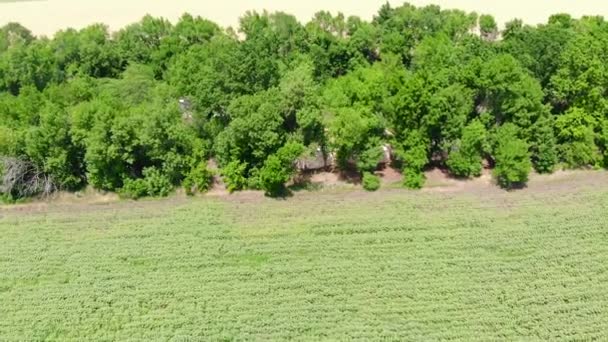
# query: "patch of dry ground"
439,185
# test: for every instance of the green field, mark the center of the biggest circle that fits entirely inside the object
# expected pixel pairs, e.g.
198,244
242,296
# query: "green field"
336,265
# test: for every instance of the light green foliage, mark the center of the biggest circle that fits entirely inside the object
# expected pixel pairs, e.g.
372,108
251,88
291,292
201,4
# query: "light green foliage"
576,138
466,157
488,27
134,188
235,176
512,158
512,94
158,183
154,183
49,146
199,179
87,107
370,181
279,168
544,145
338,267
415,158
350,133
207,75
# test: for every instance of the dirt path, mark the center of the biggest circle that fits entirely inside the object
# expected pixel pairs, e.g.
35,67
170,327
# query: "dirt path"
438,182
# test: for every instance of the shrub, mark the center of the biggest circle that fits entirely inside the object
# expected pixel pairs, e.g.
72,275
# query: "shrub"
368,160
134,188
234,176
158,184
154,183
199,179
273,176
413,179
371,182
279,168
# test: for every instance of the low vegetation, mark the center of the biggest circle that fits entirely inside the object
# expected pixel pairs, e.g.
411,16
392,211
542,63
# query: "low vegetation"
396,265
140,111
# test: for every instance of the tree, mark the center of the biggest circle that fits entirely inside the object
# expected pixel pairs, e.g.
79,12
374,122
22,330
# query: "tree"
544,145
512,158
415,157
141,42
465,159
576,138
488,27
49,146
14,34
279,168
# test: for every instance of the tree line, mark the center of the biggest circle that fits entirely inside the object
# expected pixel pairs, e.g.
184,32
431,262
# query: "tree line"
141,111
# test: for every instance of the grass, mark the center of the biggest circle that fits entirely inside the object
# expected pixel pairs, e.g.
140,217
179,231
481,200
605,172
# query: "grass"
397,265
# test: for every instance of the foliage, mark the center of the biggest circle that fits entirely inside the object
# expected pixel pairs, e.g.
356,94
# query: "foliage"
279,168
370,181
151,265
234,175
199,179
512,158
154,183
415,158
91,107
465,160
576,137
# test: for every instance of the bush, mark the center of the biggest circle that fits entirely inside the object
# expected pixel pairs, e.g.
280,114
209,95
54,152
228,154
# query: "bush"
273,176
371,182
369,159
158,184
154,184
134,188
413,179
234,176
199,179
278,169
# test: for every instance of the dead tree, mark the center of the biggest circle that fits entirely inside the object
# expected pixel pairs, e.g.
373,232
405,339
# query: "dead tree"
21,178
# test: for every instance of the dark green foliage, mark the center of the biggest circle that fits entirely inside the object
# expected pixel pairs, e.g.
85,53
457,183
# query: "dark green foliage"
370,181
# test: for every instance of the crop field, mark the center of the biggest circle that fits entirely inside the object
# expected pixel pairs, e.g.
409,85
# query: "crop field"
333,265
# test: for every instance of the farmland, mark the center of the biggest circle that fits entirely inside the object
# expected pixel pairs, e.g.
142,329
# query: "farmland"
428,265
